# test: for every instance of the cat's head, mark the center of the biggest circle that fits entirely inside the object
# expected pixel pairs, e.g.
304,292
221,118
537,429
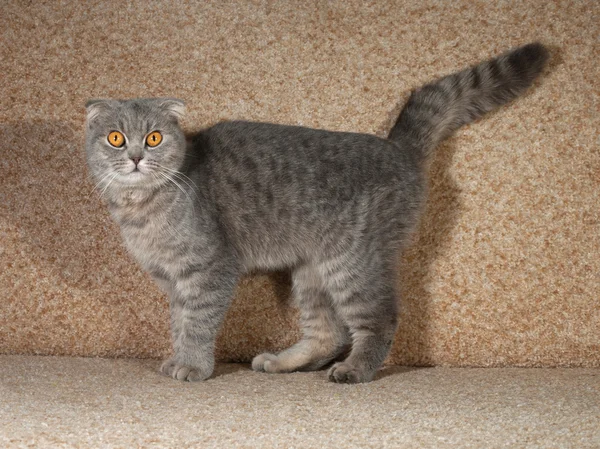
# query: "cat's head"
134,143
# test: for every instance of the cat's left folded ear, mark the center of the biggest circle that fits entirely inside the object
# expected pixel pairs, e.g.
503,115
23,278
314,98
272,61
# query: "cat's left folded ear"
95,107
174,106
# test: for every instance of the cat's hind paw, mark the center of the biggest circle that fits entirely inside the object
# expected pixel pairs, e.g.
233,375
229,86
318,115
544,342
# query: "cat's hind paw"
345,373
266,363
181,372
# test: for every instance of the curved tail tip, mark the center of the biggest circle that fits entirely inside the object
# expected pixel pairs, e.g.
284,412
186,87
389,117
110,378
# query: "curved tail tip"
530,59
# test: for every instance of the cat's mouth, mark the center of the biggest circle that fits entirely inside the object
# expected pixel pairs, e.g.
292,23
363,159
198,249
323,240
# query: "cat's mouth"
133,177
140,177
137,170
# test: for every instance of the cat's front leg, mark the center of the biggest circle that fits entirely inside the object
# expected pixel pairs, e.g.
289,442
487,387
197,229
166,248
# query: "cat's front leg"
198,302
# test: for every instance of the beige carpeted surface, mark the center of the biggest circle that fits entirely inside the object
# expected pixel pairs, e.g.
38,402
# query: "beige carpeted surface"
50,402
505,268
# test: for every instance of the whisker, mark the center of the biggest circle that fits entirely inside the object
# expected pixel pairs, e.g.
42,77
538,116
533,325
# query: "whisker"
109,183
169,178
172,230
95,188
181,176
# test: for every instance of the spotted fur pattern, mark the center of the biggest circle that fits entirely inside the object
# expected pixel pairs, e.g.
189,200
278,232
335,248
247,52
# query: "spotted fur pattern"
335,208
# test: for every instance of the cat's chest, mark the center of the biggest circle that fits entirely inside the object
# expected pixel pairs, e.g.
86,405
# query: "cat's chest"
154,241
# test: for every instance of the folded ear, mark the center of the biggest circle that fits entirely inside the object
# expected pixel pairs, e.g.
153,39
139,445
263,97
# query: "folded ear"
173,106
96,107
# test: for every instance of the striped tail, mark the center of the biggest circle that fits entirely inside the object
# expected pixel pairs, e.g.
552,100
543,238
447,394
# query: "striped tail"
436,110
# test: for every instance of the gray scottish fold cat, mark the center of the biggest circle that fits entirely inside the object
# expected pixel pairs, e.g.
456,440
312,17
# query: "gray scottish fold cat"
335,208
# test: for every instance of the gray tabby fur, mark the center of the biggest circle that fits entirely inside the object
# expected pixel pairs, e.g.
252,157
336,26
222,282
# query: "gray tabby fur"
335,208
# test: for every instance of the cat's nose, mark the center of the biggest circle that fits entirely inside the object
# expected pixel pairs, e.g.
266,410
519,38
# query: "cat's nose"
136,160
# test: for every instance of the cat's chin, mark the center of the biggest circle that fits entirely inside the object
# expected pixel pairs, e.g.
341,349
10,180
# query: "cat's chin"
137,179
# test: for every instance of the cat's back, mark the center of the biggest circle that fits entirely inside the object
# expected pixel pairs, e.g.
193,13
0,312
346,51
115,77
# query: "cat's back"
276,150
254,162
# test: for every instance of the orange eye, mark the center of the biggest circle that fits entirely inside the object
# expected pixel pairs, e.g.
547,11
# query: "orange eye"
153,139
116,139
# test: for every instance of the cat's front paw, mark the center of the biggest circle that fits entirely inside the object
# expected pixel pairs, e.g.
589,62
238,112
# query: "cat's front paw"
345,373
177,371
266,363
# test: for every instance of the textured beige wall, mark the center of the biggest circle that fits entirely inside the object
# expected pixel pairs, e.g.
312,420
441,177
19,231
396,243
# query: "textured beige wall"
505,269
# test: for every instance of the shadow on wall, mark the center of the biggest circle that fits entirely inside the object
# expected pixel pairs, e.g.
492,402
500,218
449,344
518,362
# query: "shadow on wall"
48,199
68,283
412,345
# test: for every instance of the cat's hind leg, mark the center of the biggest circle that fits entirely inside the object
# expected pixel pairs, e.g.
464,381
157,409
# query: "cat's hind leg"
368,307
324,335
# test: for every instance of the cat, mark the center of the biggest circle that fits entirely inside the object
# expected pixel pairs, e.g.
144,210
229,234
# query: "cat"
333,207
